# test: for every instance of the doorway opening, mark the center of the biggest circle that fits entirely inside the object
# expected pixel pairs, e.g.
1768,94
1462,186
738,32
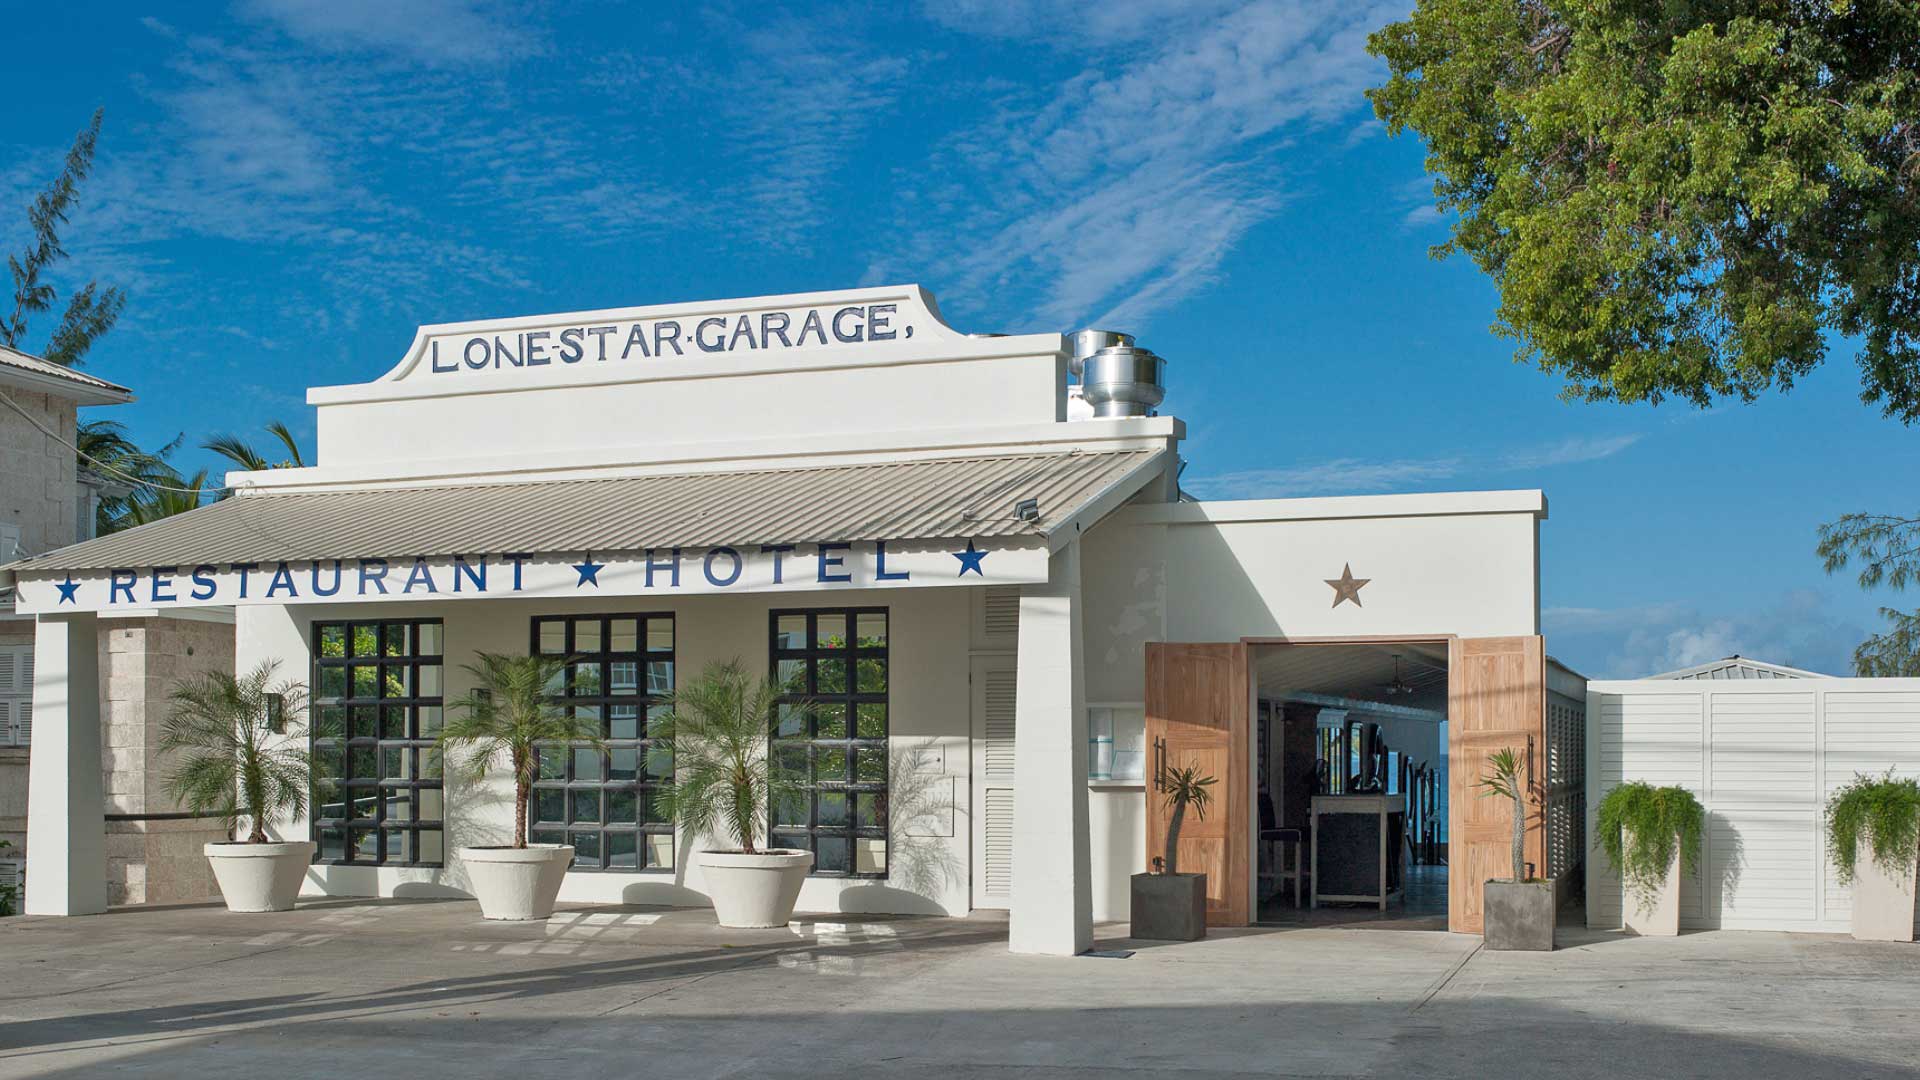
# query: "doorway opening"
1350,784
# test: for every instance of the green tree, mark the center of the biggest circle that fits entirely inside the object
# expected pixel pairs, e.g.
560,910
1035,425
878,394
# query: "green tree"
148,505
227,756
511,713
242,453
1687,199
106,449
1678,199
92,310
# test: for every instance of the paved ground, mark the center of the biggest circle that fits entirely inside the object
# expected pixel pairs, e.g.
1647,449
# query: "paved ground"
427,989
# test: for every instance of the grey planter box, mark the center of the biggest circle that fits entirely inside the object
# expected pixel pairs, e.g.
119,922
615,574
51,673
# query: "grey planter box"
1169,907
1518,915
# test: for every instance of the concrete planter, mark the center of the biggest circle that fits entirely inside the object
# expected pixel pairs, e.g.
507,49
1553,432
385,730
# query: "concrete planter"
259,877
757,890
1518,915
1882,901
1657,915
517,884
1169,907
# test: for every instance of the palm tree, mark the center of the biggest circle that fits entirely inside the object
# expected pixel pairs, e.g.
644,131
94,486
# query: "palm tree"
144,507
1503,779
231,760
105,449
719,727
512,712
1185,786
241,453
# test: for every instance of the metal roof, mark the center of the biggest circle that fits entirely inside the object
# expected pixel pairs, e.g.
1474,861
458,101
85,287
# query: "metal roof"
1740,667
947,498
95,389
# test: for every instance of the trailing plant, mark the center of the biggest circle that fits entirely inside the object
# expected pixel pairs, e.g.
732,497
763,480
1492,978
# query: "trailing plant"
1881,810
9,898
1183,787
229,759
1641,826
1503,779
720,727
511,712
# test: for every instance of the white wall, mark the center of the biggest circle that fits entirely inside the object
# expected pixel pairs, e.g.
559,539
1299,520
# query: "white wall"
1763,757
928,708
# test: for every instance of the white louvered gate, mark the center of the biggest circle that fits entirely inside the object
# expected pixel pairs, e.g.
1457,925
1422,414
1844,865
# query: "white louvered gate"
1763,757
16,695
993,722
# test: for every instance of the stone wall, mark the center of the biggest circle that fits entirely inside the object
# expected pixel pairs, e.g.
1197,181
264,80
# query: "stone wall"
140,660
38,490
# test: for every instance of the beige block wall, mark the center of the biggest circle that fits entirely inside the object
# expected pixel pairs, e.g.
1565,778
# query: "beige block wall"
38,490
140,661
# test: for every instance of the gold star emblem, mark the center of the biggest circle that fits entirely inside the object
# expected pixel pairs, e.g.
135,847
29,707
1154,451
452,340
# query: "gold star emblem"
1346,587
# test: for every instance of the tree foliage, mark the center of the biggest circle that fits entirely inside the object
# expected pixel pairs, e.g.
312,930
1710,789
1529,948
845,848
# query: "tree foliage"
511,714
1886,549
92,310
242,453
107,450
227,757
719,726
1678,198
1641,827
1882,811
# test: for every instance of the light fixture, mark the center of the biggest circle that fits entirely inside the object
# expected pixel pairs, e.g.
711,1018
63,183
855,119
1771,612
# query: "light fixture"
277,714
1027,510
1398,685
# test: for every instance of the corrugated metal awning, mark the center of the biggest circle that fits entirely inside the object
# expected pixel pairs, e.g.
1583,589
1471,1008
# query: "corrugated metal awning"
895,500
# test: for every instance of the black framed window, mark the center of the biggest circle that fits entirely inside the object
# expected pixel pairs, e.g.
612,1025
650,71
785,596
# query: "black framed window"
379,797
837,659
601,800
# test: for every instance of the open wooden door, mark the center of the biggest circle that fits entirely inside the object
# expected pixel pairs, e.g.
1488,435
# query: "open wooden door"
1198,699
1496,697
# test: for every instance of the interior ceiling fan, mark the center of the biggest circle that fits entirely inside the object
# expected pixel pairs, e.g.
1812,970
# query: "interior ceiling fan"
1398,686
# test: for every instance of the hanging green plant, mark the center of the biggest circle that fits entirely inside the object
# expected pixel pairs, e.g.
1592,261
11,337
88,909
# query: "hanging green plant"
1881,810
1640,826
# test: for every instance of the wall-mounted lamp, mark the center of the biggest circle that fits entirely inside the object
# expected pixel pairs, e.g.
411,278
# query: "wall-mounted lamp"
277,714
1027,510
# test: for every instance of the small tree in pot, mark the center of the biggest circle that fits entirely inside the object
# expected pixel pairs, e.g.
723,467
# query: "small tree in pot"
720,726
1167,904
511,714
240,753
1649,836
1873,839
1517,913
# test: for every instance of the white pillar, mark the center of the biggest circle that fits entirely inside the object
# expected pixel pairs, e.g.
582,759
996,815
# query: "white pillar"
66,824
1052,910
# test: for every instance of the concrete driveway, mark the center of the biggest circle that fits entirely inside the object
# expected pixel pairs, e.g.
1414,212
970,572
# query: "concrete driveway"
351,988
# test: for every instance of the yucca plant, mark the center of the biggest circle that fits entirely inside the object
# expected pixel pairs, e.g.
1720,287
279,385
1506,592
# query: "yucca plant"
1503,779
1183,787
719,726
227,759
1640,826
510,713
1883,811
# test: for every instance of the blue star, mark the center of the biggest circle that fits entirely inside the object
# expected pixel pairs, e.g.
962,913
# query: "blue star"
67,589
589,572
970,560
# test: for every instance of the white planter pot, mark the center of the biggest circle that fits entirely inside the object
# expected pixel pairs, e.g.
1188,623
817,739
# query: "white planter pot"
755,890
1661,917
260,877
1882,901
517,883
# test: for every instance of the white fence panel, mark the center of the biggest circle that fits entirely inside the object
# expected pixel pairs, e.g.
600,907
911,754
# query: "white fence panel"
1762,758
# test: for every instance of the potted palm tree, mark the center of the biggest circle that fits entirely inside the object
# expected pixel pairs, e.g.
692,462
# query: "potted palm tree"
509,714
237,753
1518,912
719,727
1873,838
1166,904
1649,834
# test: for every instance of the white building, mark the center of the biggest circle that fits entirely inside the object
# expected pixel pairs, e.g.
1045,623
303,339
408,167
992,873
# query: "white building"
988,586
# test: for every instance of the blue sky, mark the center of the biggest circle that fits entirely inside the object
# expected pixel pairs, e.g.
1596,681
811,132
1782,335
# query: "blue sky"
288,187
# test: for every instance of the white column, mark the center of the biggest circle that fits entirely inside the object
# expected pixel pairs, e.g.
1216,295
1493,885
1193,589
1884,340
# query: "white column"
66,826
1052,910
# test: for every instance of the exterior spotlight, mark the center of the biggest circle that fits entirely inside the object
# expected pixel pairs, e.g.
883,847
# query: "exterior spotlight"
1027,510
277,714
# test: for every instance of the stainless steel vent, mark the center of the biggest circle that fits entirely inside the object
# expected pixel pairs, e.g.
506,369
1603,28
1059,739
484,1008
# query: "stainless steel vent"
1117,377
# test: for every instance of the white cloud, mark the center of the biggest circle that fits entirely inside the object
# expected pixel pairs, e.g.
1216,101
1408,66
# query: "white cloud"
1796,629
433,32
1123,190
1359,476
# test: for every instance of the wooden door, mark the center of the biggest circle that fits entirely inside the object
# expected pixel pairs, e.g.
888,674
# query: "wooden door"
1496,697
1198,702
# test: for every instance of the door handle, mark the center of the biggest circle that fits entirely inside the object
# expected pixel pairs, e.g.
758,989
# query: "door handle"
1160,764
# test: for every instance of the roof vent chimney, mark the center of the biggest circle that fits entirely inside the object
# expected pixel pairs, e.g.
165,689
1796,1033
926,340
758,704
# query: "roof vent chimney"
1117,378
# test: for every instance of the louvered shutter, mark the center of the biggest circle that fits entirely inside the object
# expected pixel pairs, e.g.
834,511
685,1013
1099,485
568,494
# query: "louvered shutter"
995,695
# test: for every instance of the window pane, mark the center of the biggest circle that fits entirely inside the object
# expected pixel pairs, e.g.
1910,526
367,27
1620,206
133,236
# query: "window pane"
393,722
872,856
430,635
333,643
329,760
830,630
660,850
330,723
659,635
790,809
872,722
624,764
393,764
623,851
399,849
830,676
432,805
623,677
550,804
872,676
396,681
430,718
623,721
866,811
829,764
833,809
587,764
366,641
431,765
547,836
586,805
553,763
791,675
830,854
586,680
872,630
395,639
553,637
790,632
429,681
790,722
870,765
622,807
431,846
660,763
586,636
586,848
333,682
333,843
623,635
366,681
659,677
830,721
362,761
